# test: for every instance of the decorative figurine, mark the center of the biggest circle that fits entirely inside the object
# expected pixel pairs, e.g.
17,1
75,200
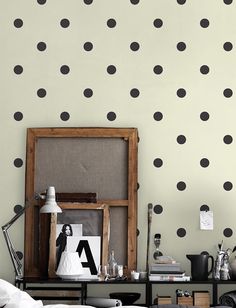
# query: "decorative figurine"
157,241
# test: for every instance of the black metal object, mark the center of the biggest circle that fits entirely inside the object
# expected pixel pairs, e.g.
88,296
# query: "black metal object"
228,299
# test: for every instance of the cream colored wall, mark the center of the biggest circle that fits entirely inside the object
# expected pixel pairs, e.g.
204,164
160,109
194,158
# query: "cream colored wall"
111,93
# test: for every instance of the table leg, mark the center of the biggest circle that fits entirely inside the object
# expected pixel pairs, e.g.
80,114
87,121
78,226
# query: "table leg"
83,293
148,294
214,294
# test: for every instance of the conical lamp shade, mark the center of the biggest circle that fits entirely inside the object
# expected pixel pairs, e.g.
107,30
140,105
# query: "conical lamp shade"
50,205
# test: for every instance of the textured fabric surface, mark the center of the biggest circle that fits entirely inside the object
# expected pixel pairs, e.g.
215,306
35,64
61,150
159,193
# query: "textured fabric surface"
228,299
7,290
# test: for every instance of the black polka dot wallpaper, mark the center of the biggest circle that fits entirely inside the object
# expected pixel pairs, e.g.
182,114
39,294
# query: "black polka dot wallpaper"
165,67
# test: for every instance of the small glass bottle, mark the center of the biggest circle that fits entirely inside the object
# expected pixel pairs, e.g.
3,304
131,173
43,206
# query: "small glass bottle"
112,265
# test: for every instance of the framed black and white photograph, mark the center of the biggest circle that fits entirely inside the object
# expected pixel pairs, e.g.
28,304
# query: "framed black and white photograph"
65,231
82,227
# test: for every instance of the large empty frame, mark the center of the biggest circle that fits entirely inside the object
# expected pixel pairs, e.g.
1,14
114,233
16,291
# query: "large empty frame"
81,160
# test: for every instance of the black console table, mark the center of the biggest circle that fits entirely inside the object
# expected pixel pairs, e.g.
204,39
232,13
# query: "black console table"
58,289
77,290
53,288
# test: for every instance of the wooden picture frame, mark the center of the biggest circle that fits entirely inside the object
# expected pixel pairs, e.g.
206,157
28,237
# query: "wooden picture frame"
72,213
81,160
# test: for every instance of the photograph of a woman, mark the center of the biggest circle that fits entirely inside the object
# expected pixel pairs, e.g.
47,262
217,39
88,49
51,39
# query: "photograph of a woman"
62,240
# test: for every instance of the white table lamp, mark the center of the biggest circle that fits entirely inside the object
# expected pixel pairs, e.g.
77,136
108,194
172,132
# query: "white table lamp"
49,207
70,266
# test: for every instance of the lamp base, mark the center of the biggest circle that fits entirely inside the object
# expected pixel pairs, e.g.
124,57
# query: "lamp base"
70,277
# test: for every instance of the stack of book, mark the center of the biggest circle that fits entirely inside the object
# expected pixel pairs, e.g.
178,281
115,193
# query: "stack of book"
167,272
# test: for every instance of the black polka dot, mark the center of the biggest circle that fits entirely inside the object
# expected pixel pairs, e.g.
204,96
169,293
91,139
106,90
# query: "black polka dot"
158,69
181,139
111,23
88,92
88,2
88,46
134,92
204,162
41,1
137,232
228,186
181,92
204,116
228,46
204,69
181,232
19,255
181,46
111,116
18,69
181,186
18,23
158,162
41,92
111,69
181,1
228,139
228,92
18,116
65,69
205,208
158,116
134,1
204,23
18,162
228,232
41,46
18,208
158,23
228,1
134,46
64,116
157,209
65,23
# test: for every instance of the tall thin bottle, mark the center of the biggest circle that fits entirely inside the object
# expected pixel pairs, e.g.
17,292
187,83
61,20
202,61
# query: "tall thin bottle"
112,265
